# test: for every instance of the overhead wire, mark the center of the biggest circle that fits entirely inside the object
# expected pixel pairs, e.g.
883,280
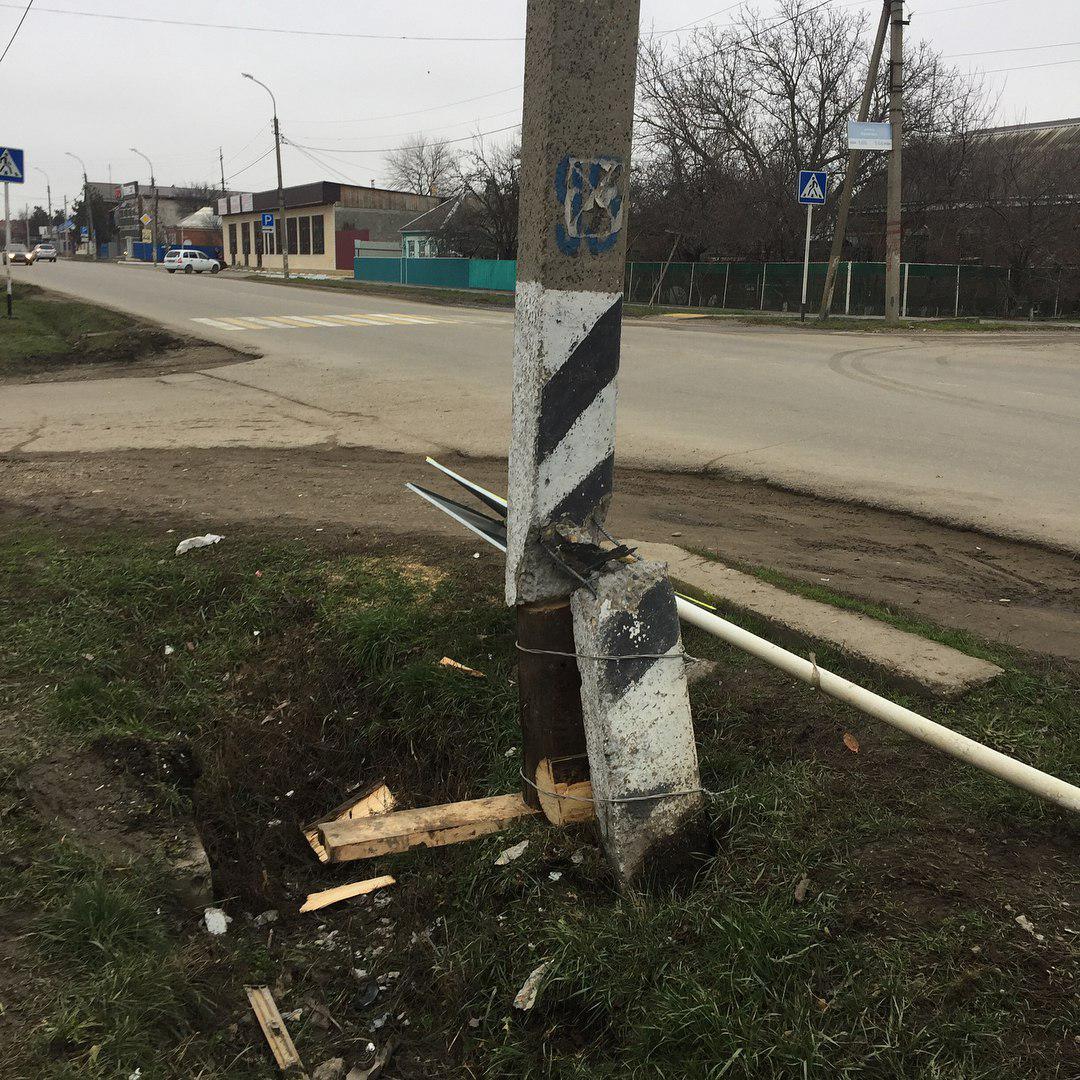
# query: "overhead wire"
18,27
250,165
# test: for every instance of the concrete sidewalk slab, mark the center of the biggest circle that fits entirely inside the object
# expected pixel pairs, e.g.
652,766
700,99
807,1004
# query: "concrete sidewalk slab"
911,660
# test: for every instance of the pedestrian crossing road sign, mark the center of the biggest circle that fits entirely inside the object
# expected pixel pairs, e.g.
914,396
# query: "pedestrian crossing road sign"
813,187
11,165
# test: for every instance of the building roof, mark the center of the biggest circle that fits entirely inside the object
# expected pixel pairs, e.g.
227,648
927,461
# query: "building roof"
437,218
323,192
203,218
1056,134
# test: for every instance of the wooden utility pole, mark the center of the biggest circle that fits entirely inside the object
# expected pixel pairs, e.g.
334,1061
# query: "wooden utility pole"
855,158
221,165
893,225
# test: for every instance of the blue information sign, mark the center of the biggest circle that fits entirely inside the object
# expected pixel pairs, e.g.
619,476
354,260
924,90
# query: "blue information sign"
268,223
12,169
813,187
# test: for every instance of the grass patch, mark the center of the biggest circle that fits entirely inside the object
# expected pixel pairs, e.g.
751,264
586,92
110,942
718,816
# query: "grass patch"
309,673
53,331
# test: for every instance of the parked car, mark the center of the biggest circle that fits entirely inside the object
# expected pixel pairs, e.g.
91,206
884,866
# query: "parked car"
44,252
17,253
190,261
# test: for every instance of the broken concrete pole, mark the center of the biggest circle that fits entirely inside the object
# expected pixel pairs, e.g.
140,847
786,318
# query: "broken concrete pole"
580,63
638,729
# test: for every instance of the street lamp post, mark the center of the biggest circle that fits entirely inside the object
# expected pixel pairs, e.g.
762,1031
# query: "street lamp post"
280,184
153,184
48,191
91,234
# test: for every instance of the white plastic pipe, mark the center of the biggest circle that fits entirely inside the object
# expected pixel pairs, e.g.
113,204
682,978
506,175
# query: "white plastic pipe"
919,727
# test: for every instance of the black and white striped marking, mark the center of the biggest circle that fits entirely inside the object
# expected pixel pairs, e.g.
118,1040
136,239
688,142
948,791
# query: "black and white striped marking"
566,358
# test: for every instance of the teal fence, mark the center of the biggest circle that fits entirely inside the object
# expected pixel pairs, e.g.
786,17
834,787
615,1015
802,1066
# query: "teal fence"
929,290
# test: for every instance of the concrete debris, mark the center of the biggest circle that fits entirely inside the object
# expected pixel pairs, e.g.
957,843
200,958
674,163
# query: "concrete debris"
217,922
192,543
266,918
526,996
800,889
511,853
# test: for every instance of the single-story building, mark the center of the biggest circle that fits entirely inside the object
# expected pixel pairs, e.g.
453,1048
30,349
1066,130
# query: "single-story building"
426,236
325,222
174,204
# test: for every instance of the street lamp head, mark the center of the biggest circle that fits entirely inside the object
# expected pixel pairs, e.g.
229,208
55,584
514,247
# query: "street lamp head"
247,76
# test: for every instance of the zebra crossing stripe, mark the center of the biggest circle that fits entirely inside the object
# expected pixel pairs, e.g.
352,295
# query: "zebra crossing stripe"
563,446
310,320
269,320
219,325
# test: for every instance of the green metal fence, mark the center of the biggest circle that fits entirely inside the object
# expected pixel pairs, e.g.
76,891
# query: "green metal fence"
929,290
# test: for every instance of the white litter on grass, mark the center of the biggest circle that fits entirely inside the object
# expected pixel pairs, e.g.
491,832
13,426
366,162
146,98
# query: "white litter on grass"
194,542
511,853
169,650
555,875
1026,924
526,996
217,922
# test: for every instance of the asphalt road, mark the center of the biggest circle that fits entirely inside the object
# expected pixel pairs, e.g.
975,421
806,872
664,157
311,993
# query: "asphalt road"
982,430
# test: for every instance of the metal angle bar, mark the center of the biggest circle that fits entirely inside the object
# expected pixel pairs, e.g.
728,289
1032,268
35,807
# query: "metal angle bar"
494,532
488,498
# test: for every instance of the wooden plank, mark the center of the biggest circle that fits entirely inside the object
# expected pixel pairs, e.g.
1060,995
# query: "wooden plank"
273,1027
461,669
318,900
376,798
430,826
564,802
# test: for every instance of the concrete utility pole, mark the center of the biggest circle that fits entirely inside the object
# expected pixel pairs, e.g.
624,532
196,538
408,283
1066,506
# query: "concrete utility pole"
855,158
48,192
284,235
893,213
221,165
91,235
153,184
580,63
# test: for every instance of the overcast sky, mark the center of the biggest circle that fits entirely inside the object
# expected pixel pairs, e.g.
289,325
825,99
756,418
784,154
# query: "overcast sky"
98,86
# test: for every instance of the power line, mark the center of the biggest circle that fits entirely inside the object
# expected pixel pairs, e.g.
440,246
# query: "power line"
1027,67
11,40
1015,48
415,112
264,29
427,130
251,165
391,149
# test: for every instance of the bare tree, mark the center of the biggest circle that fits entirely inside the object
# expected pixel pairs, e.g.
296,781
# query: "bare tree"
487,220
729,116
421,165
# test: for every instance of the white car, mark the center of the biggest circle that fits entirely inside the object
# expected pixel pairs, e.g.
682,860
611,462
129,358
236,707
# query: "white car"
190,261
45,252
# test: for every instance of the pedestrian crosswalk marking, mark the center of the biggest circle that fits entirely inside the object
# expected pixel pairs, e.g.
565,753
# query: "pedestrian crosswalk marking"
306,322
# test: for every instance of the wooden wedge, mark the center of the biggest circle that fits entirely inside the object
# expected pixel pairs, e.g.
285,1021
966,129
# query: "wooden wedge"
431,826
318,900
375,799
273,1027
563,802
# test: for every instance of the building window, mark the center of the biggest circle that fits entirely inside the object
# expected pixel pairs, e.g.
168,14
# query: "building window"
305,235
245,236
290,232
318,238
232,240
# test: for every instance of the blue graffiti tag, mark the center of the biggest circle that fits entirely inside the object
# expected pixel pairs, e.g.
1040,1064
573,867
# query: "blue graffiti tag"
587,191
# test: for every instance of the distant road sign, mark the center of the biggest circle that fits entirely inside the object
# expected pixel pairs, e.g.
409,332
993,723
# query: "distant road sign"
12,169
813,187
146,219
869,136
147,236
268,223
84,232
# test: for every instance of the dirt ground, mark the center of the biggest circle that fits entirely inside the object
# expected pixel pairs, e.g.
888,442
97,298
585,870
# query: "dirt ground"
1002,590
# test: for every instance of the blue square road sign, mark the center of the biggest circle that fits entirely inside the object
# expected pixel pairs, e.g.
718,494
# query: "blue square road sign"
268,223
12,166
813,187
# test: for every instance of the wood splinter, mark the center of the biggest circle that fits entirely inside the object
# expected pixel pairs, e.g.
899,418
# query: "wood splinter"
273,1027
375,799
318,900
